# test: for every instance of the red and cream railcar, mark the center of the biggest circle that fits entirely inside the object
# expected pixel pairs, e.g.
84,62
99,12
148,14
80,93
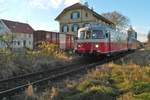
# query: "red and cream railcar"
100,39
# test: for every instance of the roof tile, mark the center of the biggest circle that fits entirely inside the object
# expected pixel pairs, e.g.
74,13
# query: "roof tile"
18,27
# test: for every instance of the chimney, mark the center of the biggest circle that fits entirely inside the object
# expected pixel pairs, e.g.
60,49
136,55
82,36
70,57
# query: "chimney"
86,4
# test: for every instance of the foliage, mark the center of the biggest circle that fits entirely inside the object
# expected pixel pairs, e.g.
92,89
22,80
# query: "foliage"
17,63
120,20
126,82
48,50
140,87
7,40
143,96
112,81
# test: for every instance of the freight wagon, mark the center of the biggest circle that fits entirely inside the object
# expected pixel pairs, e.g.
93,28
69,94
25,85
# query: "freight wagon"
47,36
65,41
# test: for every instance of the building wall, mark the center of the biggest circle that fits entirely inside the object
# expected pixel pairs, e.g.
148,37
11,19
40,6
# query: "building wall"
86,17
66,18
3,30
22,40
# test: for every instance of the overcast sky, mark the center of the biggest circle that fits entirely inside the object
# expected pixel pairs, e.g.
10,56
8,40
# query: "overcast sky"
40,14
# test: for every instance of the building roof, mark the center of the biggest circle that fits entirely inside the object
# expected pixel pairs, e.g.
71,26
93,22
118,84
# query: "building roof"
18,27
81,6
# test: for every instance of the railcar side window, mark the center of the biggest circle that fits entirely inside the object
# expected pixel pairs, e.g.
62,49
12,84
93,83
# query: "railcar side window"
107,34
97,34
88,35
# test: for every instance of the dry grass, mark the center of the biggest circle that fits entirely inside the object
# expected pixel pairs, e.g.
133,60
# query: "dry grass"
109,81
126,79
13,64
140,57
29,91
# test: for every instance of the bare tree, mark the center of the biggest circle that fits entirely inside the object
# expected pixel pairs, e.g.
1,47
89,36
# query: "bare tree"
148,37
118,19
6,39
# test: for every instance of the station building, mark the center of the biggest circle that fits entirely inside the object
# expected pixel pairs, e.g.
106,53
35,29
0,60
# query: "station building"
78,15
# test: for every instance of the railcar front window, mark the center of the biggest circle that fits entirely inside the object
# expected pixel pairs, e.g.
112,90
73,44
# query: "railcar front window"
85,35
82,35
97,34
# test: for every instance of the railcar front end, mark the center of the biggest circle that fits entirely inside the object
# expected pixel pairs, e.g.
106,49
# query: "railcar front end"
92,41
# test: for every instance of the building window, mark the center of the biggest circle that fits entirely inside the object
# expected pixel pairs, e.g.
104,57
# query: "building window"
15,42
18,43
29,42
29,35
75,28
65,28
75,15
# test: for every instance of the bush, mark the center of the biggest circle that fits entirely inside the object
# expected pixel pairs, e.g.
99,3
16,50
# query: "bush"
111,82
143,96
141,87
17,63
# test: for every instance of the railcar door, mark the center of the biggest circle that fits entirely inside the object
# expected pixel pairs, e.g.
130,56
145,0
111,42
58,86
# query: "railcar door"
108,37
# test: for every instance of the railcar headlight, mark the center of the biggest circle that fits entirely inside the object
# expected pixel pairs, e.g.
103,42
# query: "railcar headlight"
96,45
79,46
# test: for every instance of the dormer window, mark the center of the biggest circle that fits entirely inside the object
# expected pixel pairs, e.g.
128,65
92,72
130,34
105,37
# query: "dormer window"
75,15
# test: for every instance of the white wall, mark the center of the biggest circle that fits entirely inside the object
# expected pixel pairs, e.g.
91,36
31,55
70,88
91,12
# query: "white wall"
16,37
20,38
3,30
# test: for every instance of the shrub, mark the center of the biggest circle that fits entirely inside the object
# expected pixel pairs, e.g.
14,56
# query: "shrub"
140,87
143,96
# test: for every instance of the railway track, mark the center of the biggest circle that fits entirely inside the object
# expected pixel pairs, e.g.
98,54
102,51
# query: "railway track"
15,85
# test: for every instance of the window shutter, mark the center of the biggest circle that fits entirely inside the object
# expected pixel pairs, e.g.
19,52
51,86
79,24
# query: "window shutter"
63,29
71,16
78,14
78,28
67,28
72,28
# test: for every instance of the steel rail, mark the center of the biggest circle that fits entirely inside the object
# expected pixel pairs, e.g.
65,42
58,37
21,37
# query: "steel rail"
57,74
